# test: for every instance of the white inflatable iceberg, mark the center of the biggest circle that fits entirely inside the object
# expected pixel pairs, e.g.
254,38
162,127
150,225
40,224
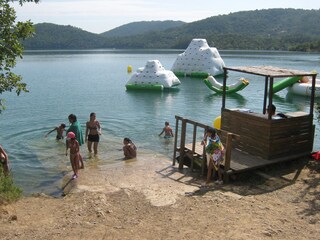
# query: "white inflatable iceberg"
198,60
152,77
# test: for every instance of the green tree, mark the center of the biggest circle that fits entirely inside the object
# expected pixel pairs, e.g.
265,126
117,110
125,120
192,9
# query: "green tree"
11,34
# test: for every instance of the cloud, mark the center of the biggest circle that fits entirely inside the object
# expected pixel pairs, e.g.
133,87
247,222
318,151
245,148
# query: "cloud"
102,15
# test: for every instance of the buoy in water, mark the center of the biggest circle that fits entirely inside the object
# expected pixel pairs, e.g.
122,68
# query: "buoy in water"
129,69
217,123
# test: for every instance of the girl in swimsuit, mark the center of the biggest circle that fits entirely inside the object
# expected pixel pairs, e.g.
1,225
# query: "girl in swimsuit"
93,132
74,146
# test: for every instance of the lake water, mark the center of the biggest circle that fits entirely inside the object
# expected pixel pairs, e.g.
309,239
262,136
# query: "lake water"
81,82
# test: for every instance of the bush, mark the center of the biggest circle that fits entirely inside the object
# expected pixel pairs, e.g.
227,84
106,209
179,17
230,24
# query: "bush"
8,191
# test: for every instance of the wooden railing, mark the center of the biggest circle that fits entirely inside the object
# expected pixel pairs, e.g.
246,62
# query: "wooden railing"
226,138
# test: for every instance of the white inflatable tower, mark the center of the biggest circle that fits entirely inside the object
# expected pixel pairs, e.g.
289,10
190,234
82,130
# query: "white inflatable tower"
198,60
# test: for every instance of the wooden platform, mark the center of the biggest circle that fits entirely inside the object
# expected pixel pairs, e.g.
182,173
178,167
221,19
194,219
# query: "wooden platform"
241,161
190,152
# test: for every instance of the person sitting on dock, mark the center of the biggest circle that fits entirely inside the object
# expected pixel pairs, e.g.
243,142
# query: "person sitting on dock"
214,154
272,109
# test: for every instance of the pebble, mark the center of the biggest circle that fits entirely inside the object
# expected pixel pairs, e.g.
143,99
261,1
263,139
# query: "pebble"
13,218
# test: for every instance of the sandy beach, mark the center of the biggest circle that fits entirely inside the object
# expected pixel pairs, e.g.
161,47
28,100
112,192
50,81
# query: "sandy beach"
148,198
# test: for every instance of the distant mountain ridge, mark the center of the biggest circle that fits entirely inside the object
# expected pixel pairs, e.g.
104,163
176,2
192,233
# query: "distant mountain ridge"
142,27
271,29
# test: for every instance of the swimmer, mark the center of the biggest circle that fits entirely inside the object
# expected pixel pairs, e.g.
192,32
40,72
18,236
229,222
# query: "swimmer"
59,130
167,130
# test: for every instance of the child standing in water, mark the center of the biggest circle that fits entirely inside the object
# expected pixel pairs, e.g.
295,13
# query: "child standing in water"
167,130
59,130
74,146
214,154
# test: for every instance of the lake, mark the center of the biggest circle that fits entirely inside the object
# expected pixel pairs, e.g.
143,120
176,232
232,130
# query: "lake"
81,82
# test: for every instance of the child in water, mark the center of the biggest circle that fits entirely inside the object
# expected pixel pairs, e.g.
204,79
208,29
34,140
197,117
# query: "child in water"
167,130
214,154
129,149
74,146
59,130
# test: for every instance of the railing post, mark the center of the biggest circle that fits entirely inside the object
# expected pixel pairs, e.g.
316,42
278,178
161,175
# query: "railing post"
182,142
228,148
175,142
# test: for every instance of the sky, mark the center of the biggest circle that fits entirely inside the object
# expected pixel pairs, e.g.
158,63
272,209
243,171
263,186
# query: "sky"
98,16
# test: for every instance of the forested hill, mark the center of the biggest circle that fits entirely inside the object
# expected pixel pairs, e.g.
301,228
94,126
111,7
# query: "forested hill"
52,36
135,28
272,29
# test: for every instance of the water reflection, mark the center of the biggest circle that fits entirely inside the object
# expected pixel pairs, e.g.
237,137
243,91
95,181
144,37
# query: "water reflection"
235,100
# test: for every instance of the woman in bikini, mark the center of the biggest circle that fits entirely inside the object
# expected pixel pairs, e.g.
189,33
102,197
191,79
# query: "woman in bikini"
93,132
74,146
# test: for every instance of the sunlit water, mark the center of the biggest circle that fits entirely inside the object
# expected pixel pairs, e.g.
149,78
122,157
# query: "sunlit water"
82,82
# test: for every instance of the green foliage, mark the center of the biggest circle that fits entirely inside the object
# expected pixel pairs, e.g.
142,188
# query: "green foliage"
272,29
52,36
135,28
8,191
11,33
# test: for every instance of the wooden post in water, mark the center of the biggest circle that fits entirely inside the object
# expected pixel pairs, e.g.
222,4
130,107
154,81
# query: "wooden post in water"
175,142
182,142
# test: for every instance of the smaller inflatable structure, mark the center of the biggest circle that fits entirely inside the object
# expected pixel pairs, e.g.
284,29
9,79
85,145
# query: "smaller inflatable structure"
152,77
304,88
214,85
198,60
298,85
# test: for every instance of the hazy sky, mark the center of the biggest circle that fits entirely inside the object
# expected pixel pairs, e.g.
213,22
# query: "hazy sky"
98,16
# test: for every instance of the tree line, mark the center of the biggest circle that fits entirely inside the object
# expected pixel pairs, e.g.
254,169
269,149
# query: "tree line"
272,29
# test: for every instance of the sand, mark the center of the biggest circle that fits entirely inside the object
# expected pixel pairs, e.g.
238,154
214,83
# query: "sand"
148,198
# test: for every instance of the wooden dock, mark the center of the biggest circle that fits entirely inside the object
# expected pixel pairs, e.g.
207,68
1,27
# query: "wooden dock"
235,160
240,161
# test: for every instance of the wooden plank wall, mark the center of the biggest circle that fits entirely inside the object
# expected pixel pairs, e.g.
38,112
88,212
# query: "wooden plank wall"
269,139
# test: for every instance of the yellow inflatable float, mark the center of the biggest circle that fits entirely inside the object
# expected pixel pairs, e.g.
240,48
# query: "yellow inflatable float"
217,123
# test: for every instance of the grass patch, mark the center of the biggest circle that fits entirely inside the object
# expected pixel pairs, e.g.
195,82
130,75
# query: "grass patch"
9,192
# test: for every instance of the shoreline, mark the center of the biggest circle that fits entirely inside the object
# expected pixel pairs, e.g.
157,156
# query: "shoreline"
148,198
150,174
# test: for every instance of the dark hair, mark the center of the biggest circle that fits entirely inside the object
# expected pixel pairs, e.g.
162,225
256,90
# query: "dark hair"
63,125
272,108
72,117
91,114
166,123
127,140
211,130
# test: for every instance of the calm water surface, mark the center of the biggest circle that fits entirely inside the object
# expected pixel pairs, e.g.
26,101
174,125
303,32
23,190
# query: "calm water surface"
81,82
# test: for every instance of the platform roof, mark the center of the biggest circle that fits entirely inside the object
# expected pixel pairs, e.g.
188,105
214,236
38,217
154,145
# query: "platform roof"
270,71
